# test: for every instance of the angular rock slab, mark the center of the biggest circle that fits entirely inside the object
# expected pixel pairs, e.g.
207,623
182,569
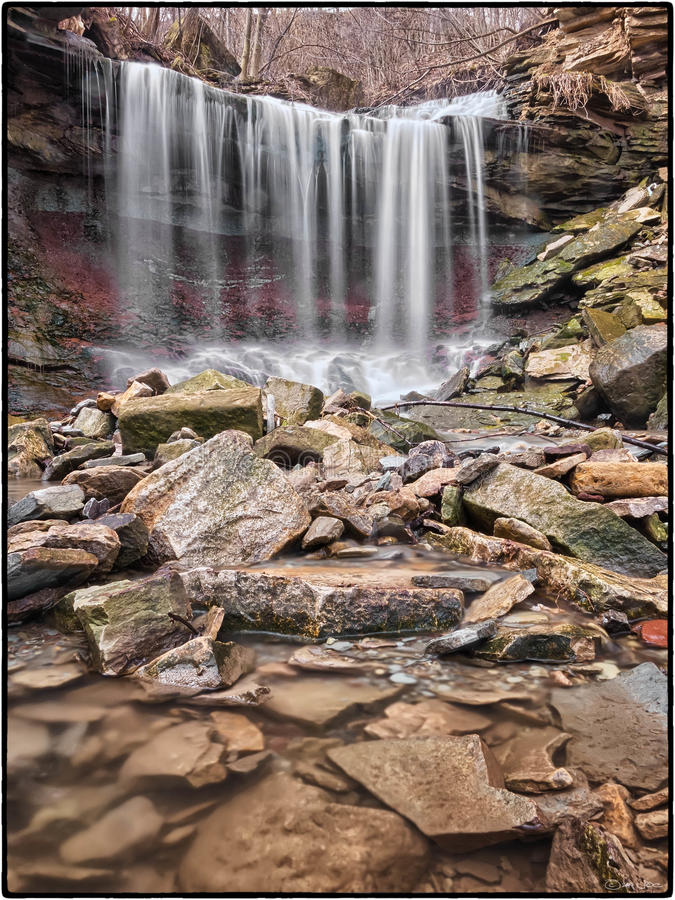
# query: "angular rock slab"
218,505
33,570
584,530
127,623
323,601
285,837
65,463
591,588
450,787
615,480
125,829
318,700
463,638
429,717
186,751
544,643
618,727
294,401
527,761
93,537
58,502
111,482
202,663
499,599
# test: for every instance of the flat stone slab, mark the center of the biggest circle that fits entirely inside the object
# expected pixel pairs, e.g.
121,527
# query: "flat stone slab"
619,727
450,787
499,599
57,502
318,600
317,700
463,638
638,507
429,717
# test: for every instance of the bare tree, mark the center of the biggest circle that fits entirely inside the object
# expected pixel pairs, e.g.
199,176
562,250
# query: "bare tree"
246,51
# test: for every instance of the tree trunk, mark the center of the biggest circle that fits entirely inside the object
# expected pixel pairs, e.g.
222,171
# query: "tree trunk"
153,24
257,43
246,52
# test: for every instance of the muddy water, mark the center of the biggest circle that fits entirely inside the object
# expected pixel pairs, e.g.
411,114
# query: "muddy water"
71,731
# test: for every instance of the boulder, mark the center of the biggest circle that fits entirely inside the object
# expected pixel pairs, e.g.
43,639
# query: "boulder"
58,502
343,457
603,439
34,604
584,530
208,380
452,507
293,445
322,531
406,432
658,421
105,482
150,421
515,530
95,538
546,643
432,483
626,739
453,386
154,378
218,504
587,586
186,754
105,400
172,450
133,537
32,570
560,363
653,825
283,836
499,599
134,391
127,623
586,859
630,373
29,446
202,664
323,600
603,326
293,401
450,787
621,479
65,463
94,423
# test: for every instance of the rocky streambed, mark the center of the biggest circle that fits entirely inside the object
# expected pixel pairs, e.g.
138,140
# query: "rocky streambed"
351,652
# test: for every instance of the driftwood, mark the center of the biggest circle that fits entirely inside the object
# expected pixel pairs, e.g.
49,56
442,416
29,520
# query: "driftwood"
527,412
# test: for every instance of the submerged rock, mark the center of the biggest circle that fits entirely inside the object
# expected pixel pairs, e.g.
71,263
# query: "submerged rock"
322,602
202,663
626,739
284,836
515,530
127,623
630,373
590,587
527,761
151,421
653,825
119,833
541,642
585,530
58,502
187,751
318,700
450,787
220,504
294,401
429,717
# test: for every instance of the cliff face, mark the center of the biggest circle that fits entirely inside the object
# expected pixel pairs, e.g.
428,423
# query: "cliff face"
593,96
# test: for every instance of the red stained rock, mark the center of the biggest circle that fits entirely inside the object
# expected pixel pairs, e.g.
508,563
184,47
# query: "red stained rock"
653,632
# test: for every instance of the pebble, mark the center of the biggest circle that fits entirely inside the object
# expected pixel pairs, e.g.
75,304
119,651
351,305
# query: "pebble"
339,646
514,679
402,678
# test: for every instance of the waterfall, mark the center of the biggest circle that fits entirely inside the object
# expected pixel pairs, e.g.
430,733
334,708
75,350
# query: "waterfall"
336,210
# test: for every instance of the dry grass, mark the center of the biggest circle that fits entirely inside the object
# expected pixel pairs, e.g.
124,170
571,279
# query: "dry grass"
574,89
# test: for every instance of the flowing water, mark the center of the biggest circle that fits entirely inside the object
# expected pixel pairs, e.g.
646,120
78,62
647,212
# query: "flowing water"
307,238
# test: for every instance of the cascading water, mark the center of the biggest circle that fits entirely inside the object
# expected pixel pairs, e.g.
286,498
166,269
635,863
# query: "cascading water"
340,212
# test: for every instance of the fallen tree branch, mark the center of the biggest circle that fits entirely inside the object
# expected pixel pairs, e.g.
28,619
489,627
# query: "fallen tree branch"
526,412
176,618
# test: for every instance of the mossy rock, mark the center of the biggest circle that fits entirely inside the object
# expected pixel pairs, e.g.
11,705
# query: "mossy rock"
293,444
295,402
149,421
410,432
208,380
